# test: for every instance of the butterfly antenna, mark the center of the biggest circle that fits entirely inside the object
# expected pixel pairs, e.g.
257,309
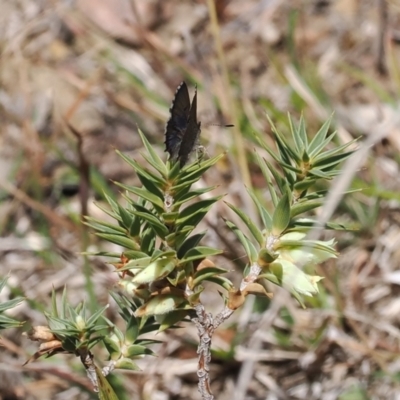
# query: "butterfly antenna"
223,126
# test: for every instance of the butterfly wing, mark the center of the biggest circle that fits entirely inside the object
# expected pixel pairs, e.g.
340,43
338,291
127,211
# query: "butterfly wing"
178,122
191,137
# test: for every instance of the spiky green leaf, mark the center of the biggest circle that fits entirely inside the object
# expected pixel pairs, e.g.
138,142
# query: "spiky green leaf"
281,217
136,350
320,140
221,281
190,243
266,174
106,392
154,159
200,252
160,305
140,170
201,207
157,270
206,273
105,227
112,347
264,214
169,320
128,364
179,200
249,223
155,223
120,240
297,137
146,195
93,319
151,186
251,251
304,206
7,305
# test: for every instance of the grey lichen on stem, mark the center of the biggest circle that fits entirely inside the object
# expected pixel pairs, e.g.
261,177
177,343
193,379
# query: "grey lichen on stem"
206,325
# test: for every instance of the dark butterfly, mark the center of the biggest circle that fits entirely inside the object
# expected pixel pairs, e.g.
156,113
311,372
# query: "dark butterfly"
182,131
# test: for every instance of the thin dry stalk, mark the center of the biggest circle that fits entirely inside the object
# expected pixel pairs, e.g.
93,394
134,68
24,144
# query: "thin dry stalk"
206,325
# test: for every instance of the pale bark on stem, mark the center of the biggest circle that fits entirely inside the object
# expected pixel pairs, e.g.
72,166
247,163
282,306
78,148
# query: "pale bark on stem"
108,368
206,325
87,360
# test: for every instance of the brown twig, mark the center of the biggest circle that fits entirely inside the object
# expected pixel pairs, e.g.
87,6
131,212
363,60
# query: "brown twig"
37,206
383,27
68,376
84,168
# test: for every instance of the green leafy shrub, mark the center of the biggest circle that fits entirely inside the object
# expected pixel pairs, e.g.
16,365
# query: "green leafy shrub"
163,266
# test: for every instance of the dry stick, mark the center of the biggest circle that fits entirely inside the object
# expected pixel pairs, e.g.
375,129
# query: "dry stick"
39,368
206,325
87,360
382,30
35,205
84,165
84,185
84,168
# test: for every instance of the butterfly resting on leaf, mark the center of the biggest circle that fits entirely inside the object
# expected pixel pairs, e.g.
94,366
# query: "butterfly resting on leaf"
182,132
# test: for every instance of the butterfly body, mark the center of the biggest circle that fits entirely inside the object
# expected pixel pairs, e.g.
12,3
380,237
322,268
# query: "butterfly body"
182,131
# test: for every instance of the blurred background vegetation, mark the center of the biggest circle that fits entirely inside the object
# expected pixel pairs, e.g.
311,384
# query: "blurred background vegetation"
105,68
